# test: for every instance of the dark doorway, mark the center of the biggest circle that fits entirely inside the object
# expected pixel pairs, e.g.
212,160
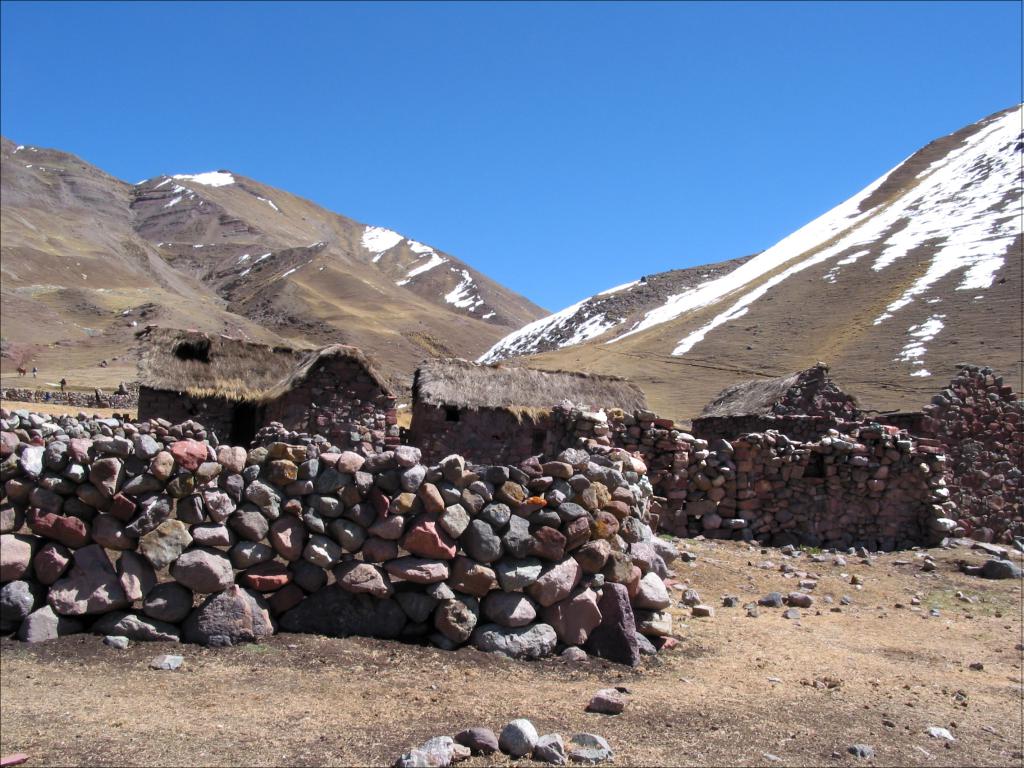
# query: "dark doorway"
243,424
451,413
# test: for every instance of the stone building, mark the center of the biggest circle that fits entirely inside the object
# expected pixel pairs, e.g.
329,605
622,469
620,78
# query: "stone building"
235,387
496,413
802,405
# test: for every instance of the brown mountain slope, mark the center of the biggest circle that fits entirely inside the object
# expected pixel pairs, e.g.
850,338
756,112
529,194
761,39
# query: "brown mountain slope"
893,288
84,256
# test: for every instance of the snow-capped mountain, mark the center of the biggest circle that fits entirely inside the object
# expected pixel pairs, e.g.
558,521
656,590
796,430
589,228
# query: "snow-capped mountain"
220,252
917,271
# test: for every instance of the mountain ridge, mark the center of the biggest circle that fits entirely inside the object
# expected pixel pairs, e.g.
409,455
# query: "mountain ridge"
934,245
90,254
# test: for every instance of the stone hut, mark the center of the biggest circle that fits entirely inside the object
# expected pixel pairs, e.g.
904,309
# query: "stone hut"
802,405
235,387
496,413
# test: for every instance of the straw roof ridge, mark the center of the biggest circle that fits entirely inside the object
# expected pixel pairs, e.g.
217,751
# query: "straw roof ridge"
215,365
463,384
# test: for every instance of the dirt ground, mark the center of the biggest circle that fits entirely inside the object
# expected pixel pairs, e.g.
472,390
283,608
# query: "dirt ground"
735,691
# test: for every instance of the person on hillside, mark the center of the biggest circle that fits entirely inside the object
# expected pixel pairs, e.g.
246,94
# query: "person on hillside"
63,385
35,372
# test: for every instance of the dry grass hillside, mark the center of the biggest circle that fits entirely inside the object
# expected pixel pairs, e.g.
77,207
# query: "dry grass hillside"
87,260
920,271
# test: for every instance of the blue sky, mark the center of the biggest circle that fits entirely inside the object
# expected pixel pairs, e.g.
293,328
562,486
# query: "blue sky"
560,148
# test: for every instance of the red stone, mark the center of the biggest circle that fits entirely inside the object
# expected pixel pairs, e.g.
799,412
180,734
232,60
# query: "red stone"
548,544
122,508
265,577
69,531
427,539
380,502
189,453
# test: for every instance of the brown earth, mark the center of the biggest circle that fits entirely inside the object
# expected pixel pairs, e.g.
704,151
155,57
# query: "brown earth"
734,691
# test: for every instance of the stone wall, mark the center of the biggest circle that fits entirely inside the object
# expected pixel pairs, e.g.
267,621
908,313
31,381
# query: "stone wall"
216,414
337,399
83,400
137,530
482,435
873,487
798,427
341,401
977,422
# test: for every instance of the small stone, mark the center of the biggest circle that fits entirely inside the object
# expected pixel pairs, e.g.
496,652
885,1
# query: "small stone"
119,642
651,593
574,655
91,586
16,556
556,582
163,545
530,642
204,571
135,627
519,737
510,609
977,666
170,602
480,741
167,661
800,600
861,750
771,600
608,701
589,748
45,624
703,612
418,570
791,613
940,733
233,616
550,749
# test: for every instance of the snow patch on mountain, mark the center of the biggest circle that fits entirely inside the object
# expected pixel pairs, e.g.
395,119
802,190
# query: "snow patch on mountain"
954,209
208,179
433,261
920,334
268,202
378,240
533,336
464,295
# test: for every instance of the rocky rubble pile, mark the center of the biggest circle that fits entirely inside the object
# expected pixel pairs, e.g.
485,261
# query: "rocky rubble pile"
978,421
519,740
148,531
814,394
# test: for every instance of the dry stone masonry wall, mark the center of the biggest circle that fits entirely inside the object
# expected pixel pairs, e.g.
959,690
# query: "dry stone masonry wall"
115,399
874,487
977,421
141,531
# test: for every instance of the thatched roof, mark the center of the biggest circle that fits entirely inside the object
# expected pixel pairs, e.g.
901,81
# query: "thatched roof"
759,397
211,365
463,384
